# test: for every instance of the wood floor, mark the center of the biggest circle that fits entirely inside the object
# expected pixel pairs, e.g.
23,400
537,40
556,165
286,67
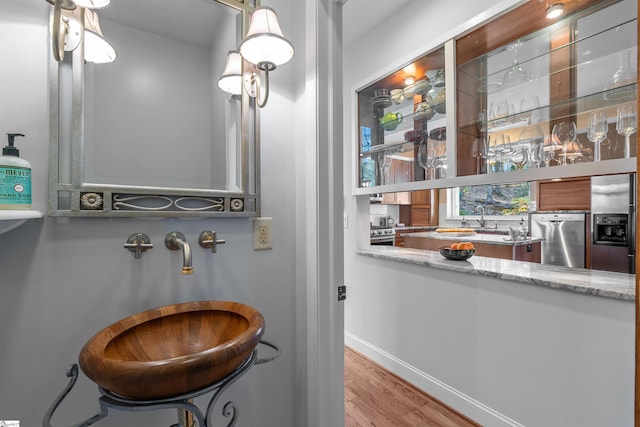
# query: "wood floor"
377,397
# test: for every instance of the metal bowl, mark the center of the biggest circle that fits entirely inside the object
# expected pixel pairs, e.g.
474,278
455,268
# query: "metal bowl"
457,254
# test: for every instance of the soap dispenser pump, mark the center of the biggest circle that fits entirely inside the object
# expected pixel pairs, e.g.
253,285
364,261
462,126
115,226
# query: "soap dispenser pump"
15,177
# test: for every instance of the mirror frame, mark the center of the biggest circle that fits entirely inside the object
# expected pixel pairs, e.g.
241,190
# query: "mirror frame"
85,199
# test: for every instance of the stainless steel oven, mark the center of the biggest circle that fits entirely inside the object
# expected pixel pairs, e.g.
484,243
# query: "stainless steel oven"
382,236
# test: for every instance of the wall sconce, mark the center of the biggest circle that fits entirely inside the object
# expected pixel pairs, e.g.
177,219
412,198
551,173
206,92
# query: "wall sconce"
66,31
266,47
555,10
231,79
96,48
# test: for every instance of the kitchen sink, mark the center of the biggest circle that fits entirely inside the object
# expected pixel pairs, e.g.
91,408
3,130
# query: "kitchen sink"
172,350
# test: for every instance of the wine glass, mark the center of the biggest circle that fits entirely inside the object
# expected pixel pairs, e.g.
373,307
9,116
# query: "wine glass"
597,132
520,156
385,166
528,108
506,150
548,151
627,125
531,137
493,152
479,151
564,134
498,112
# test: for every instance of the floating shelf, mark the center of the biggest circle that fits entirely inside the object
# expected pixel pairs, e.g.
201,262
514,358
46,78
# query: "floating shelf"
10,219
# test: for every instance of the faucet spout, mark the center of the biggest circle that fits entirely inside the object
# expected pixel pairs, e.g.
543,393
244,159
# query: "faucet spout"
481,221
175,241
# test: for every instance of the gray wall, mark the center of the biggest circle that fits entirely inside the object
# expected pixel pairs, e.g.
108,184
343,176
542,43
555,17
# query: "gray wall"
62,280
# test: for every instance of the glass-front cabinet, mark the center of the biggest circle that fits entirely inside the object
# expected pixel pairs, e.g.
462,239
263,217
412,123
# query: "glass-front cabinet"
519,98
402,124
561,95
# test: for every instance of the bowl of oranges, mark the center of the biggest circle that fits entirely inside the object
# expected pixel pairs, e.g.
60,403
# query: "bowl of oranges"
458,251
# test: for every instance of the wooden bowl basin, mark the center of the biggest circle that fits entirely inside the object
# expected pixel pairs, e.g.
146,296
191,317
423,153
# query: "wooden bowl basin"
172,350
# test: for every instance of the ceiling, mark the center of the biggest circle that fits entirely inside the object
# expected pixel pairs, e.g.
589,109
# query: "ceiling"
361,16
194,22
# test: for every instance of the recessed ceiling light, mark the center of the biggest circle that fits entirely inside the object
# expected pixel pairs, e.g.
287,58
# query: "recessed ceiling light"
555,10
409,80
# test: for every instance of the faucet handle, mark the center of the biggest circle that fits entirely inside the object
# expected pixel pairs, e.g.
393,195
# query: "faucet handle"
138,243
208,239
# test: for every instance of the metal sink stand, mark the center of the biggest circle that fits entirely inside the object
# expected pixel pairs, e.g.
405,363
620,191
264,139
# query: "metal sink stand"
182,402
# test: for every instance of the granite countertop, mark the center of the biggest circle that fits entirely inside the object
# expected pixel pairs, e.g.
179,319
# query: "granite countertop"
491,239
415,227
606,284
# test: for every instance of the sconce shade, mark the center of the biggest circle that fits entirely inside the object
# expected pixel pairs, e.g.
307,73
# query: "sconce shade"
96,48
92,4
265,45
64,4
231,79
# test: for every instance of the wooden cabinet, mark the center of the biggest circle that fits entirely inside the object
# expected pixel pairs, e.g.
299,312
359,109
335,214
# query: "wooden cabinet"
423,209
566,194
399,171
529,252
401,198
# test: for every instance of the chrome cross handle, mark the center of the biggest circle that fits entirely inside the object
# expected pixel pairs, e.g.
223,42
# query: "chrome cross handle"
208,239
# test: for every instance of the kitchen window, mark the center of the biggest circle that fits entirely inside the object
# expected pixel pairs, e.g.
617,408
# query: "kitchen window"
508,201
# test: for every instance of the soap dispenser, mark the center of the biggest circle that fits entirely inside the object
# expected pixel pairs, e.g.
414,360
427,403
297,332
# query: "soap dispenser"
15,177
523,229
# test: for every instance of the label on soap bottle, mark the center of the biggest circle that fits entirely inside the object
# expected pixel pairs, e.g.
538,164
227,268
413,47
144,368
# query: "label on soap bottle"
15,185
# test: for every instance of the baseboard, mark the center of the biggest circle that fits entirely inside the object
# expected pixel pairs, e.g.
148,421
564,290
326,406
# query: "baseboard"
462,403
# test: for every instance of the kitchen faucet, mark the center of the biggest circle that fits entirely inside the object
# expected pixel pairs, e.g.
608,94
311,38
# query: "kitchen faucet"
481,220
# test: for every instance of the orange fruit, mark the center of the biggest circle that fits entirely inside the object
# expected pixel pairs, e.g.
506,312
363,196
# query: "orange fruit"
465,245
454,246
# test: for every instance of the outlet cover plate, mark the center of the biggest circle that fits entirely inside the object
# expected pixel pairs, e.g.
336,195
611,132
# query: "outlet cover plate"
262,238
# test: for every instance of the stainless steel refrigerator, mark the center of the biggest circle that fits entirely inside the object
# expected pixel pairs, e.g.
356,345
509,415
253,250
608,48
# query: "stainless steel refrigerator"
564,236
613,218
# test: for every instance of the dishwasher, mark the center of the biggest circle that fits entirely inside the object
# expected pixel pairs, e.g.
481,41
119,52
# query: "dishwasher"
564,237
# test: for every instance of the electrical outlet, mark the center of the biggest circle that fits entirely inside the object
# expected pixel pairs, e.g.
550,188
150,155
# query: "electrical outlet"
262,233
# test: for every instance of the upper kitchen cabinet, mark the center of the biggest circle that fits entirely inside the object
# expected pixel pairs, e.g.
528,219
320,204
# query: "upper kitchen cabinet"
402,121
533,93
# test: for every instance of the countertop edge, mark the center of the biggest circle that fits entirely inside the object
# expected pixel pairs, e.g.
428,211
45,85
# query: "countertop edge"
605,284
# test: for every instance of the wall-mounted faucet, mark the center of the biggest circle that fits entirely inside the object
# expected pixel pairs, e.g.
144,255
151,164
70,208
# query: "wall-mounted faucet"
208,239
174,241
481,220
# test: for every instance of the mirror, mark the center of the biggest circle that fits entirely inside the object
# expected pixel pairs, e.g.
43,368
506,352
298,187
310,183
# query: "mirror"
151,134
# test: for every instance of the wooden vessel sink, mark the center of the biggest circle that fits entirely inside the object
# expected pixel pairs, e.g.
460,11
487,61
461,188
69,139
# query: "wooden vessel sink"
172,350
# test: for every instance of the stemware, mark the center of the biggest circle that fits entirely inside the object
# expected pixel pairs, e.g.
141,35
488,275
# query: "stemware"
597,132
501,112
520,156
531,137
479,151
624,75
627,125
385,166
528,108
499,148
548,151
565,134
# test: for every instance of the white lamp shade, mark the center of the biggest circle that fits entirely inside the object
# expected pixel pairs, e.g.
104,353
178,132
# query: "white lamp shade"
92,4
96,48
264,43
231,79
